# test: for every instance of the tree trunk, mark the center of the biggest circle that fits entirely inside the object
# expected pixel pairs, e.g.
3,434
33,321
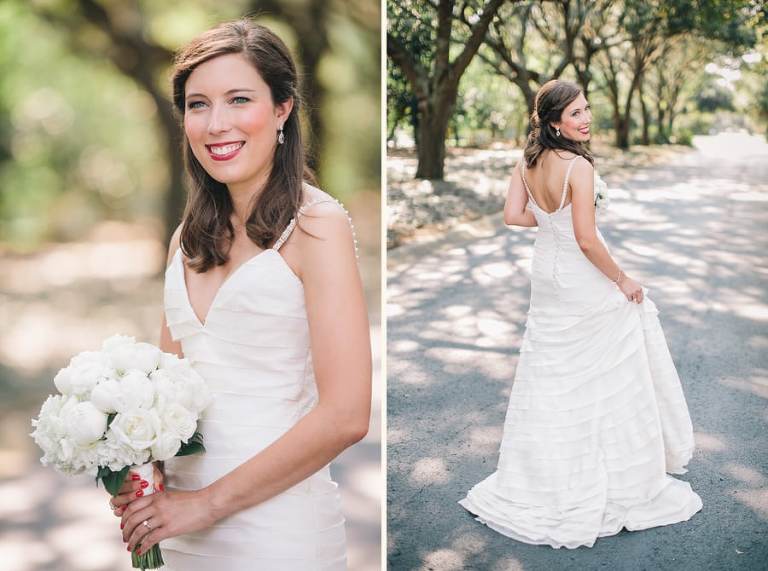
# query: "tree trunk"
661,136
433,126
621,126
646,137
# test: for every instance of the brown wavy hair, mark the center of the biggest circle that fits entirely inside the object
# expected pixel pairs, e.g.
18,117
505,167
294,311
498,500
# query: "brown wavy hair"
207,232
551,100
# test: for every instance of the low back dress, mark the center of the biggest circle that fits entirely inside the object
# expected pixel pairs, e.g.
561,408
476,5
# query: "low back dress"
596,416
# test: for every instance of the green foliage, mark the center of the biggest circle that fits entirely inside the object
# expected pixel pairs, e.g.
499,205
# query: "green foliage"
488,107
713,96
82,142
676,39
79,139
193,446
112,481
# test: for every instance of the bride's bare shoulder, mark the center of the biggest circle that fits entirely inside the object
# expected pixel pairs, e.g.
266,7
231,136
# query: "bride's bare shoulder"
321,202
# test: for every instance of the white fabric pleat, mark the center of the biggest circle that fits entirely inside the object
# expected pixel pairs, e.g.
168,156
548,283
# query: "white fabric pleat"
596,417
253,351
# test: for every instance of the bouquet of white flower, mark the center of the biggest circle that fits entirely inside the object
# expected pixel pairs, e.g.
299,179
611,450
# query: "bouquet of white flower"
120,408
601,193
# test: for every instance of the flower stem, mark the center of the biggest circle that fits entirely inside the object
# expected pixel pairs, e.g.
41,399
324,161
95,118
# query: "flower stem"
152,559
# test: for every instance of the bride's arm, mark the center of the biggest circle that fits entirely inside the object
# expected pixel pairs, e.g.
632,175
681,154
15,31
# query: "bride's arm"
583,216
341,356
515,213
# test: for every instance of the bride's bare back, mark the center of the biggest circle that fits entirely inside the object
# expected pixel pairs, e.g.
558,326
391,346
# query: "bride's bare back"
545,179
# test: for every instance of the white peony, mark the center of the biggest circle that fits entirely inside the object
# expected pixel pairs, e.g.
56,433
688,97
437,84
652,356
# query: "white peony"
138,428
87,458
48,421
136,391
168,360
116,454
177,420
106,396
155,397
191,389
112,343
166,390
84,372
50,429
166,446
85,424
63,381
142,356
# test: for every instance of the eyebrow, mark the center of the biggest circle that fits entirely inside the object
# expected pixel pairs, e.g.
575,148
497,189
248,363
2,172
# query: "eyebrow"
227,93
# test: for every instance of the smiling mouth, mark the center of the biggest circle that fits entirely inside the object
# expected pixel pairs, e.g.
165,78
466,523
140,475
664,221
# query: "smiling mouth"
584,131
224,151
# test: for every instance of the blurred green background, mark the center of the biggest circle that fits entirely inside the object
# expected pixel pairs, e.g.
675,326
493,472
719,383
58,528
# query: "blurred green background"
92,184
462,79
466,74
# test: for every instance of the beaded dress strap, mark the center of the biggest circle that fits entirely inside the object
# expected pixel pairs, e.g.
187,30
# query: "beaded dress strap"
525,182
565,182
292,224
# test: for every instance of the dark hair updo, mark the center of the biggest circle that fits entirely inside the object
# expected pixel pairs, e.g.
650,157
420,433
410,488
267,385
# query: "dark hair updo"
551,100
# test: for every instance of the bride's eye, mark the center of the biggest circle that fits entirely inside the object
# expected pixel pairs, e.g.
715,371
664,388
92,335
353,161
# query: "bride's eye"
240,99
194,104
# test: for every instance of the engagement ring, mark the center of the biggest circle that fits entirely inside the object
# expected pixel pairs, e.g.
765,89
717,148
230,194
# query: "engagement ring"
146,524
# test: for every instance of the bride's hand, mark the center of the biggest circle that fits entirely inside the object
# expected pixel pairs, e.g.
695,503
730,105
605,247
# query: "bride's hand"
631,289
134,488
167,514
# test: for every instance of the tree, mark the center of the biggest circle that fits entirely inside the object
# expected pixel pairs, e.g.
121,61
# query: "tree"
432,75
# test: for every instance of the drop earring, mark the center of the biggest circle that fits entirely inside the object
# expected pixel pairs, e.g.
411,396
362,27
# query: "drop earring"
557,131
280,136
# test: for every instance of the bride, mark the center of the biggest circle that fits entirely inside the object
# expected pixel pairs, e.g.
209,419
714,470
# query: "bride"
263,296
596,417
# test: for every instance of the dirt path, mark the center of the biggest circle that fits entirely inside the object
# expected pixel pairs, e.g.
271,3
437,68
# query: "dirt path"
694,232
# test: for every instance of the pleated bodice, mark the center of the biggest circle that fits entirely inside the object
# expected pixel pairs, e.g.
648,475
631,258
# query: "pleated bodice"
254,352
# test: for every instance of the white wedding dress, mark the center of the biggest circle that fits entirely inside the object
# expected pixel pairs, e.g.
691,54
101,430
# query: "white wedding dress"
254,352
596,417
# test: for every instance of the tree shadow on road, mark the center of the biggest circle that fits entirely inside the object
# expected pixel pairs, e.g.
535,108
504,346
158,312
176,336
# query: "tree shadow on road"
456,315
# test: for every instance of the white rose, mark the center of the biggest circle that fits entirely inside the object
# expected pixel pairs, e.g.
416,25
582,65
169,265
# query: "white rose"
136,391
85,423
116,341
85,371
142,356
166,446
136,428
177,420
106,396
